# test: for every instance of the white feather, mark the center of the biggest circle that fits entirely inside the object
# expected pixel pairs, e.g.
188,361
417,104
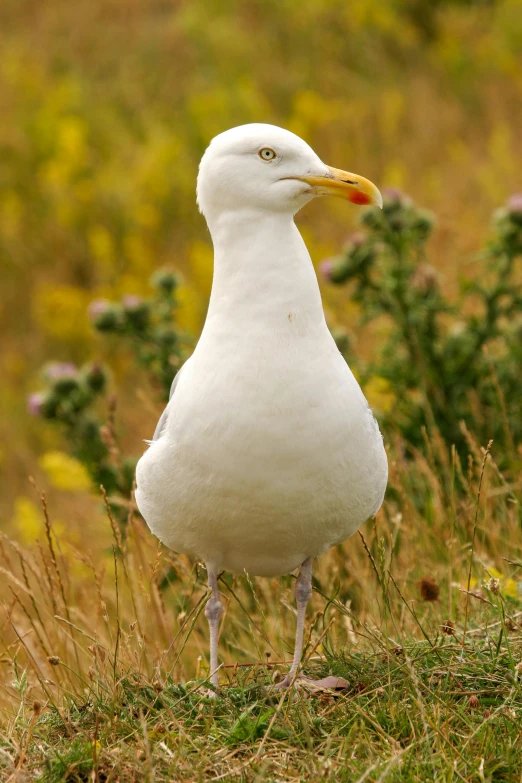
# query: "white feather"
270,453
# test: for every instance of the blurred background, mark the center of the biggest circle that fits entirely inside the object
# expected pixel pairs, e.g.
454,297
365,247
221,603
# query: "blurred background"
106,108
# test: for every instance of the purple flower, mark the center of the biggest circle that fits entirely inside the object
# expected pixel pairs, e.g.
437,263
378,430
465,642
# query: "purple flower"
98,307
35,403
326,268
395,197
514,203
57,370
355,240
392,194
131,301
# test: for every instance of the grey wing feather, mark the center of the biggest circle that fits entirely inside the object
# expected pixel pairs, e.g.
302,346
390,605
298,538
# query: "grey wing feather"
163,418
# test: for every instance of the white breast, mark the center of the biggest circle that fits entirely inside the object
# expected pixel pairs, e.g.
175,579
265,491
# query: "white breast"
270,453
268,457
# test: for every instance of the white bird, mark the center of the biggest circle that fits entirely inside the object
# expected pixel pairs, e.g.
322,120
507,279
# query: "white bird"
267,453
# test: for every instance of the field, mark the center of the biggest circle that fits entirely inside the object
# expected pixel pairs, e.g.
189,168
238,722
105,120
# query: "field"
106,109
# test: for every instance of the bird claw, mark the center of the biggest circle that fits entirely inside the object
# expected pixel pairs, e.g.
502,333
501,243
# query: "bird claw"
313,686
329,683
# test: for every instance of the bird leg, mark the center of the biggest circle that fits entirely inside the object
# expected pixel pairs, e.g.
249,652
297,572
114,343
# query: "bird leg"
303,591
213,612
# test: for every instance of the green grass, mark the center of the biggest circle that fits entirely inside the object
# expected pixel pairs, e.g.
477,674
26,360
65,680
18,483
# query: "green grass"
425,711
104,649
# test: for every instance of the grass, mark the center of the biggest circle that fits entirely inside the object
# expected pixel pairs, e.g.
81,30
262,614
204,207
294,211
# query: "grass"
105,649
421,712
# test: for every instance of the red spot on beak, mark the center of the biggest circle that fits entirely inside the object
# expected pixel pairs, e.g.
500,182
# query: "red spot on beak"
358,197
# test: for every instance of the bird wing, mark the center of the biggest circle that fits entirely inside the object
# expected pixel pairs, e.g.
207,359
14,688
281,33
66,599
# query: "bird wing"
163,418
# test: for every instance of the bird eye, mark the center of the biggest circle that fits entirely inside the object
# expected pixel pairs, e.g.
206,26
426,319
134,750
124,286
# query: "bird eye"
267,154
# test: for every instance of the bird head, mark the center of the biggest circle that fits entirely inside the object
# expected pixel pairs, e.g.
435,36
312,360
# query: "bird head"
263,167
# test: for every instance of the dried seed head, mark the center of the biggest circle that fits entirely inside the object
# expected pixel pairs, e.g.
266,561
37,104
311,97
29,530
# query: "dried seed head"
54,660
494,586
429,589
424,279
448,628
473,702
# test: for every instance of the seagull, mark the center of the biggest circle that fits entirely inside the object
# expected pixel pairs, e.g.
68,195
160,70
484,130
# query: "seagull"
267,453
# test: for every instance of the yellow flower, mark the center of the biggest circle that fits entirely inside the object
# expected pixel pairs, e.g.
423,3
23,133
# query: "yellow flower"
61,310
379,394
65,472
138,252
101,245
71,140
201,259
147,215
27,519
512,588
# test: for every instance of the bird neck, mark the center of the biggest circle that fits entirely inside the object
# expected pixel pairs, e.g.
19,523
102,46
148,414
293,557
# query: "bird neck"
262,271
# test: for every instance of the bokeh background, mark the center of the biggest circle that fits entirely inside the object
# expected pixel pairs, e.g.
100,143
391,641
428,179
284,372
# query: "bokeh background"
106,107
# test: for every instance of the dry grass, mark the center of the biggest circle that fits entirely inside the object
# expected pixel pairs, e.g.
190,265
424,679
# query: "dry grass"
104,650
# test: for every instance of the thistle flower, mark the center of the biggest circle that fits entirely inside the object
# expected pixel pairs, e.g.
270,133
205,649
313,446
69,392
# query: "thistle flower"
425,279
63,377
95,377
354,240
165,280
98,307
514,204
131,301
35,403
44,404
326,268
55,371
167,336
394,194
136,311
105,316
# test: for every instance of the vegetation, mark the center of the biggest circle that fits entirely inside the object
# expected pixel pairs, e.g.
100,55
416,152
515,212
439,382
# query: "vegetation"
106,110
71,396
441,363
104,670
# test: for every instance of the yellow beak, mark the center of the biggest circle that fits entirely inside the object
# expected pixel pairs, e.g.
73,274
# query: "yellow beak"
342,184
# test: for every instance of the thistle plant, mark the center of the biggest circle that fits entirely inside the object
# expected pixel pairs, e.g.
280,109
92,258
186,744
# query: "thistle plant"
147,325
446,362
72,395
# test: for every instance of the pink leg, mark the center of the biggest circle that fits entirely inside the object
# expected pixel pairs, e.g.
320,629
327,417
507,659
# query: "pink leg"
213,612
303,591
